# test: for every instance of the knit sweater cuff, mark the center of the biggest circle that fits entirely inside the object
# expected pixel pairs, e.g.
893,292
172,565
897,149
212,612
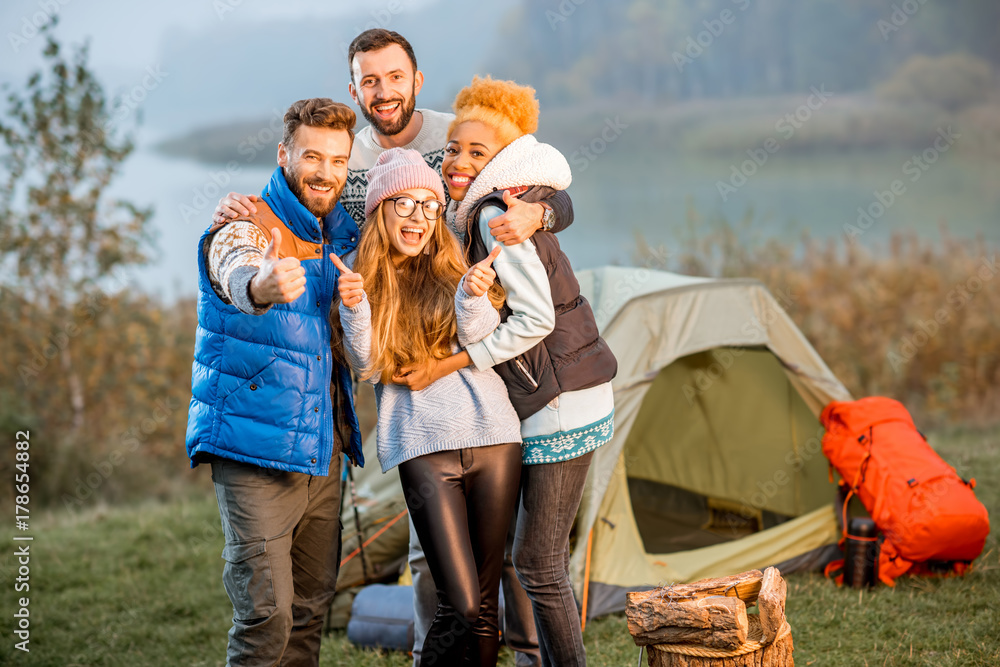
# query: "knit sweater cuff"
239,290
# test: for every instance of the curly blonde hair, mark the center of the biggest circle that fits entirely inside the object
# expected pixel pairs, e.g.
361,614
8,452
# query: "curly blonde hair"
507,107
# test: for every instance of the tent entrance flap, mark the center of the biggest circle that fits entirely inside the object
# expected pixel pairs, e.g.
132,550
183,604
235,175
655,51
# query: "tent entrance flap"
670,519
723,446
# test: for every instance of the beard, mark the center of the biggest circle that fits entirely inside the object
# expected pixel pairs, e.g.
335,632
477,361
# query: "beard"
391,129
299,187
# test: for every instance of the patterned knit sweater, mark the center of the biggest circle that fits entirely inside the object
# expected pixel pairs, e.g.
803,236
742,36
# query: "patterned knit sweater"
468,408
429,142
233,258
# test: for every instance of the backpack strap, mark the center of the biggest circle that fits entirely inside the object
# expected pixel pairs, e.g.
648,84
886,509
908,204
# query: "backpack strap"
852,489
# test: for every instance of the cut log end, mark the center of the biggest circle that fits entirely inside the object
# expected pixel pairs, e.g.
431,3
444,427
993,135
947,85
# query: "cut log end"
771,604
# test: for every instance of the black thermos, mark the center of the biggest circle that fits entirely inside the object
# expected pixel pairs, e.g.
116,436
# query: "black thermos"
860,555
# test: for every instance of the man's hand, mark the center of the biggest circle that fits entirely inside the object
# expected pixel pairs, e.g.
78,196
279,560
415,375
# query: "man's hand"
518,223
350,284
478,279
234,205
278,280
420,376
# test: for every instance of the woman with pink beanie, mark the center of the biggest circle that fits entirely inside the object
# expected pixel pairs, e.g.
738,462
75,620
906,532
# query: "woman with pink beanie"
411,298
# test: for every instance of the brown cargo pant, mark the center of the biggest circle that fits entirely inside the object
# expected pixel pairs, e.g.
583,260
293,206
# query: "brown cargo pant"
282,554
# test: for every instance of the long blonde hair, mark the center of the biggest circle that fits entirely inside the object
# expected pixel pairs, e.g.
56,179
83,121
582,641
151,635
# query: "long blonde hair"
412,305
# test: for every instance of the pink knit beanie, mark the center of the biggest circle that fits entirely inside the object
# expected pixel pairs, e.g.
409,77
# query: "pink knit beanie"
399,169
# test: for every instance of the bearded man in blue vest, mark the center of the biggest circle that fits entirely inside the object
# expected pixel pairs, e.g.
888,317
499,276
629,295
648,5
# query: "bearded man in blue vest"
271,408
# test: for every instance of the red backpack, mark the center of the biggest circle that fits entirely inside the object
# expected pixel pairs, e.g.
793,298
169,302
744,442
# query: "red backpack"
925,511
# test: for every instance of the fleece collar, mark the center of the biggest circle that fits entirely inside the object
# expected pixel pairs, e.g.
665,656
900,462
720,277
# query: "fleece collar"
525,161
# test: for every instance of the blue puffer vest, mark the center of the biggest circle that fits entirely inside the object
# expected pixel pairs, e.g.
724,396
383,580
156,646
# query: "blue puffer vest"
261,384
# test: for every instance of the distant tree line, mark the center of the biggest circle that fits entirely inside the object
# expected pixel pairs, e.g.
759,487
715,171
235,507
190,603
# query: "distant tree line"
650,51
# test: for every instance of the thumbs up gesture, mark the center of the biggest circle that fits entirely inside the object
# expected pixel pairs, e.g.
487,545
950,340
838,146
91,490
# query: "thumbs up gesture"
350,284
278,280
479,278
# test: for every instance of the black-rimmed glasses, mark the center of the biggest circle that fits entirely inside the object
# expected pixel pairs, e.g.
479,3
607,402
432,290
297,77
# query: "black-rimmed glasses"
406,206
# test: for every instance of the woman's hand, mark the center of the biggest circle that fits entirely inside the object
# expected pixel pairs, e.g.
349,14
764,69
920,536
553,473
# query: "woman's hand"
479,278
350,284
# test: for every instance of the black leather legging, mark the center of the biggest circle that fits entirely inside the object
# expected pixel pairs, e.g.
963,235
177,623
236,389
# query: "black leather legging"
461,503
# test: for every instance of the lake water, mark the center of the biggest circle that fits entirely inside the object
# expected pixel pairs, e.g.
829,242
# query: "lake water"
622,192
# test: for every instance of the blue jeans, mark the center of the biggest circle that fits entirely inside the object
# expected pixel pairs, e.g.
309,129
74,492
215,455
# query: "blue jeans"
550,498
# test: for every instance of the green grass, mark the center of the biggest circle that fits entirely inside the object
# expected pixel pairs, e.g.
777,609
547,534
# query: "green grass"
142,585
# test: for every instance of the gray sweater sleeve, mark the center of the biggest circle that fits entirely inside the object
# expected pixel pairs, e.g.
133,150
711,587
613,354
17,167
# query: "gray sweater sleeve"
476,316
357,324
239,290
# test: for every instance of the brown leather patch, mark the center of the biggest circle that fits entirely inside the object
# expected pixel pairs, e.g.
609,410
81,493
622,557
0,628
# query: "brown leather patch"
291,245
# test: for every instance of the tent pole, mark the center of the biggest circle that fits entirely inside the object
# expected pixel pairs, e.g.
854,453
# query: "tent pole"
373,538
586,580
357,526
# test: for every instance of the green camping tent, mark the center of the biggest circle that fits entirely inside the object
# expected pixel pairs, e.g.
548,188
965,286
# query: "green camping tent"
715,466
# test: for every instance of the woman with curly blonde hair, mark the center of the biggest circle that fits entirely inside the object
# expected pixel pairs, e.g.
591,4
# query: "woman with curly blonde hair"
557,368
410,298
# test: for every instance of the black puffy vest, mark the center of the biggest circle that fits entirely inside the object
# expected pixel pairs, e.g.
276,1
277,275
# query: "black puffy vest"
573,356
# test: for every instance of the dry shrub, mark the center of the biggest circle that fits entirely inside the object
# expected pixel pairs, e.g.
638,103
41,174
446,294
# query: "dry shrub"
104,389
918,320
